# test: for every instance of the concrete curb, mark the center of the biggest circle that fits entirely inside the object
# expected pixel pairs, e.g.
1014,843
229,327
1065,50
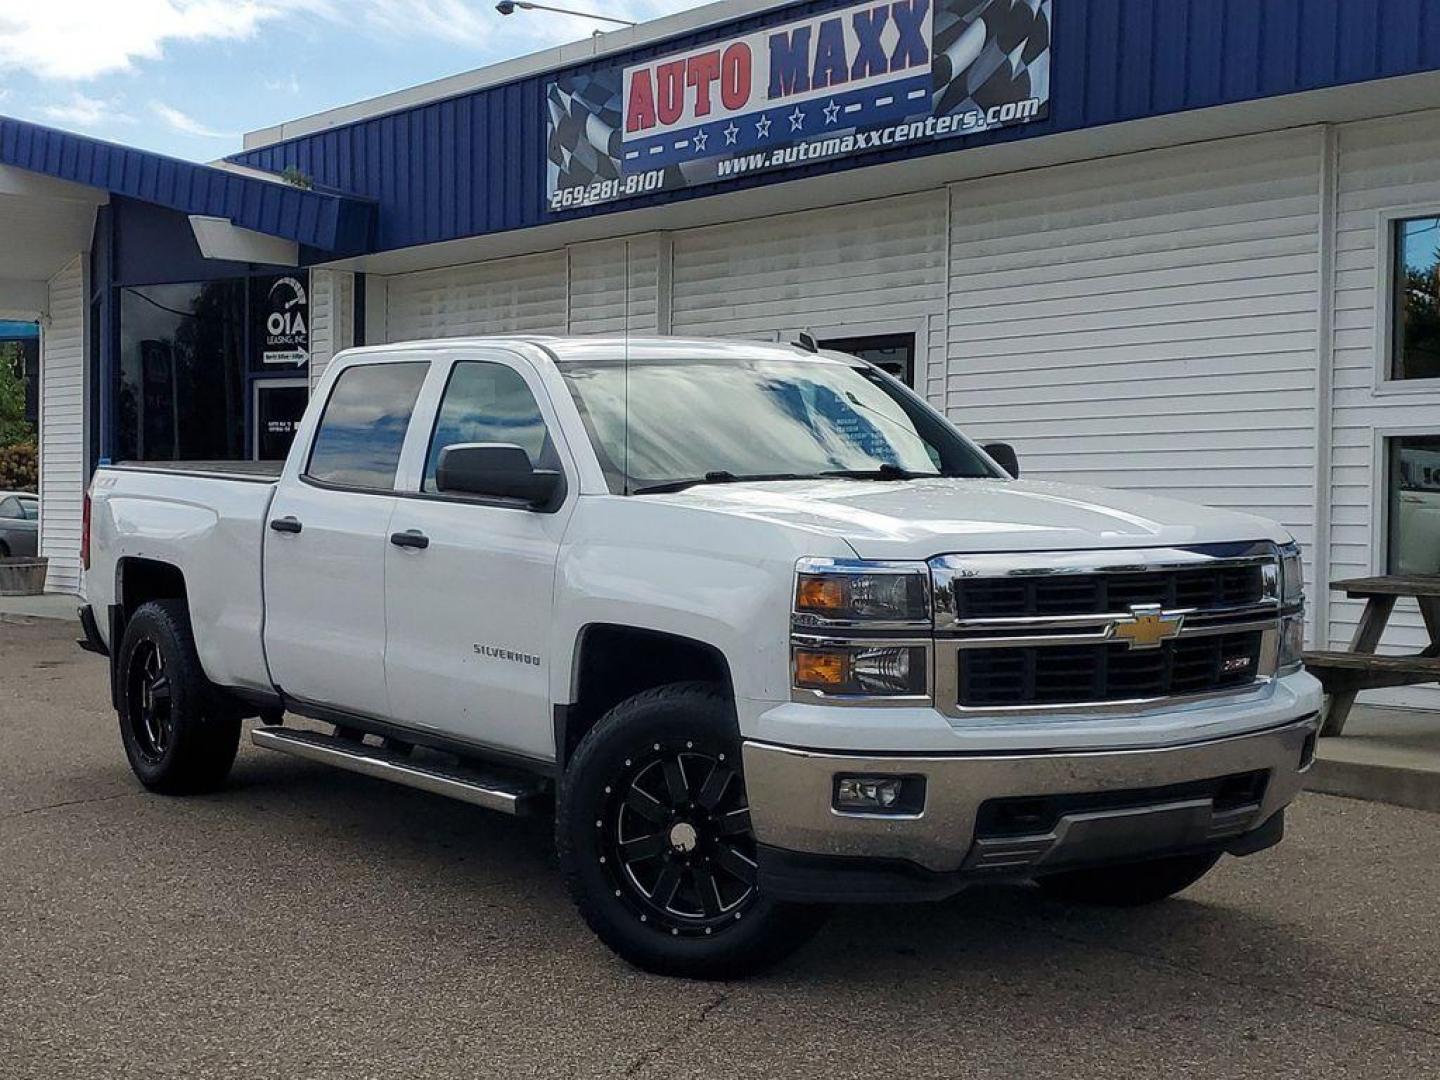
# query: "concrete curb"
1397,785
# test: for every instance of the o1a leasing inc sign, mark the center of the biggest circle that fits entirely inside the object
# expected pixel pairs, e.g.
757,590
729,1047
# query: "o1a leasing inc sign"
842,84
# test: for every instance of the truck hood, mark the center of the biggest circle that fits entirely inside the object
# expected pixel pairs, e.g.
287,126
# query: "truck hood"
917,519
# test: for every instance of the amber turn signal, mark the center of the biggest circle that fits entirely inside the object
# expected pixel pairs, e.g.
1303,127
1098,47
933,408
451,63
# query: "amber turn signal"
821,594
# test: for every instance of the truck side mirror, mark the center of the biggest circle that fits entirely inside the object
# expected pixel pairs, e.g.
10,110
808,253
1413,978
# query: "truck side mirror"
1003,454
496,471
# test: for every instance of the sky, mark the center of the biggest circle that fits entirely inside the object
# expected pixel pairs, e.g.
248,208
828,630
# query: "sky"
189,77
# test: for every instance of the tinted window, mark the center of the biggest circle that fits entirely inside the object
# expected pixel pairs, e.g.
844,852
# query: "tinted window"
363,427
486,403
10,508
30,509
1417,300
181,393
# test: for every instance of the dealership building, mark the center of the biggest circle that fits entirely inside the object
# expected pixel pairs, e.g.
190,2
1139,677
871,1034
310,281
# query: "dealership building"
1177,246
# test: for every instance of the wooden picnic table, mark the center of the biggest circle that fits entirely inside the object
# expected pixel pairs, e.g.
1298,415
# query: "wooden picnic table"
1344,673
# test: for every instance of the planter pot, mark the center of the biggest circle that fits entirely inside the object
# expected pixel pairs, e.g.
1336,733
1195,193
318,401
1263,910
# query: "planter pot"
22,577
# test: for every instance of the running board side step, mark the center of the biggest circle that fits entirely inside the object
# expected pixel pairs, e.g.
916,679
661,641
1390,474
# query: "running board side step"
509,794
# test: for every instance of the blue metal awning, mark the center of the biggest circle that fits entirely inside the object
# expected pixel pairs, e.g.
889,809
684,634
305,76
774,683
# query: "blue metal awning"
330,221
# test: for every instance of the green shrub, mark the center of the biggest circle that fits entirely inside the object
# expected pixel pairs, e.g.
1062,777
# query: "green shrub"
19,467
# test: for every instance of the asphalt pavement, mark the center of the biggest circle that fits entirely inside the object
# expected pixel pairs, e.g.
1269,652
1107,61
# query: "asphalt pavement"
310,923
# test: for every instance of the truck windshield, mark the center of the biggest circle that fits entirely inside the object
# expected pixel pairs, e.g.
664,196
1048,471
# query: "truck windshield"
695,421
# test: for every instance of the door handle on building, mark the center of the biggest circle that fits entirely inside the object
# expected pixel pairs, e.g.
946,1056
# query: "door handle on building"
286,525
412,538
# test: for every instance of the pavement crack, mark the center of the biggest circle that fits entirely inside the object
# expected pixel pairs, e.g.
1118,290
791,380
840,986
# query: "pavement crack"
72,802
645,1057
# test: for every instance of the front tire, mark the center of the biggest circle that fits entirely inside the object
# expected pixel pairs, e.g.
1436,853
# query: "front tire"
1129,884
178,738
653,831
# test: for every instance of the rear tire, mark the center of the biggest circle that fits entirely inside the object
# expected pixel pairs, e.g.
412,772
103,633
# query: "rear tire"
1129,884
653,831
179,737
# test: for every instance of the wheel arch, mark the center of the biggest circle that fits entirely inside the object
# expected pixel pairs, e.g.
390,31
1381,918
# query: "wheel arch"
615,661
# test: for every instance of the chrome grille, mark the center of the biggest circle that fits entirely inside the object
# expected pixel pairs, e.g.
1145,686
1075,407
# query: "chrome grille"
1038,632
1098,594
1105,673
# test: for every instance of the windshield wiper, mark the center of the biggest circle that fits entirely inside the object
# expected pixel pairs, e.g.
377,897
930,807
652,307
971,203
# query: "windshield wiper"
885,472
719,476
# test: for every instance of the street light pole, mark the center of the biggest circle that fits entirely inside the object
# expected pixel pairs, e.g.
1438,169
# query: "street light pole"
507,7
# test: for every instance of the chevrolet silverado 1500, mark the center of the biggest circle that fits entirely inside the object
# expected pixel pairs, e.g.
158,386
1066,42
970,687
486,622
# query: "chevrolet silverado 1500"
761,625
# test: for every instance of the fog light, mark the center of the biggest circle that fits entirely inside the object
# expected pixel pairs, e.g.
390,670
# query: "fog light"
879,794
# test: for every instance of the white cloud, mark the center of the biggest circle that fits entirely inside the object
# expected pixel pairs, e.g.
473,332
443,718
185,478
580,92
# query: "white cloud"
83,39
80,39
289,84
87,112
186,124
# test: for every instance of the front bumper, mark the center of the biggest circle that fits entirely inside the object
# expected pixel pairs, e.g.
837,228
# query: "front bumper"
1089,807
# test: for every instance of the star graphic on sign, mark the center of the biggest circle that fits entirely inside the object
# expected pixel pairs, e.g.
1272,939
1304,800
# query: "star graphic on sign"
701,138
762,127
730,134
832,112
797,119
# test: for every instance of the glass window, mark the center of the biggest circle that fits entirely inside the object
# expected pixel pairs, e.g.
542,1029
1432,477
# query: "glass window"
662,422
1417,300
29,509
363,427
10,509
894,353
1415,504
182,372
488,403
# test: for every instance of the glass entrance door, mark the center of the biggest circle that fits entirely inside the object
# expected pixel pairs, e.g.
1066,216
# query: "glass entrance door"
278,406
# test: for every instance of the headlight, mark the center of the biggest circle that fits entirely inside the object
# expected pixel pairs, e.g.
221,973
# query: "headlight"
861,669
858,593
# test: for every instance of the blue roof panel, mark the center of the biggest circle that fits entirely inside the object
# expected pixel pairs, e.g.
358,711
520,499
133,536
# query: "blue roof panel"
324,219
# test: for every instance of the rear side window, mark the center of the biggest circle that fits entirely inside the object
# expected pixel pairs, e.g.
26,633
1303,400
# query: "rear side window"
30,509
10,508
487,403
363,427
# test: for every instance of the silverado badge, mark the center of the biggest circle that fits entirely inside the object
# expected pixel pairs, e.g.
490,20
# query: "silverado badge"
1147,626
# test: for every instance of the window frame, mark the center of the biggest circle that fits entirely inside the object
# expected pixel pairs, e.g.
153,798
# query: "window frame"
313,436
1387,252
411,483
1380,459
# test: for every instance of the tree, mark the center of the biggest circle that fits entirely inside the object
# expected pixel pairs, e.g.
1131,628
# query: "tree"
14,428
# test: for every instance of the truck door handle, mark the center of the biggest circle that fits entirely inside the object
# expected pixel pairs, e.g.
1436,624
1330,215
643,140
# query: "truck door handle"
286,525
412,538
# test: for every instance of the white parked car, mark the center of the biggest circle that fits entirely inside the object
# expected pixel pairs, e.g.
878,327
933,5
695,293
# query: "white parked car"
768,629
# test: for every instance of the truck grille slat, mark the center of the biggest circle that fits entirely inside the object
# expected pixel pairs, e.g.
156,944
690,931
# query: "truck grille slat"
1056,675
1102,593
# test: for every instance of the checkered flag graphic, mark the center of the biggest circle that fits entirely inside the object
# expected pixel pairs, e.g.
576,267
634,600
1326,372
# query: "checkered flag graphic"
990,52
585,121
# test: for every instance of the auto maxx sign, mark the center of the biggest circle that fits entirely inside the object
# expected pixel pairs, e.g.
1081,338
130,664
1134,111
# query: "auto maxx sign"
857,79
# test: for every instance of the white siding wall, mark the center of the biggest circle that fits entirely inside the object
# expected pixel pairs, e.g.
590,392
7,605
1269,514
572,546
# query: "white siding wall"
1384,166
504,296
875,267
1147,322
62,428
601,297
332,317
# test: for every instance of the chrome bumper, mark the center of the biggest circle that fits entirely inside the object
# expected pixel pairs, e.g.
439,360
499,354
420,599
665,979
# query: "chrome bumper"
791,796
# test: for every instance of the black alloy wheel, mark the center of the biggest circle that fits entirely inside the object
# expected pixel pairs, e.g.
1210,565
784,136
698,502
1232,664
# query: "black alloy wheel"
676,832
654,834
148,695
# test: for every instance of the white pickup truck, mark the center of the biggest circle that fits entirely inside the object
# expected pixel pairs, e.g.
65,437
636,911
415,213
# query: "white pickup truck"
765,627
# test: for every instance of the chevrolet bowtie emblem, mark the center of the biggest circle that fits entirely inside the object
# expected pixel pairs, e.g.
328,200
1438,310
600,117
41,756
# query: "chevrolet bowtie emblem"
1147,626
